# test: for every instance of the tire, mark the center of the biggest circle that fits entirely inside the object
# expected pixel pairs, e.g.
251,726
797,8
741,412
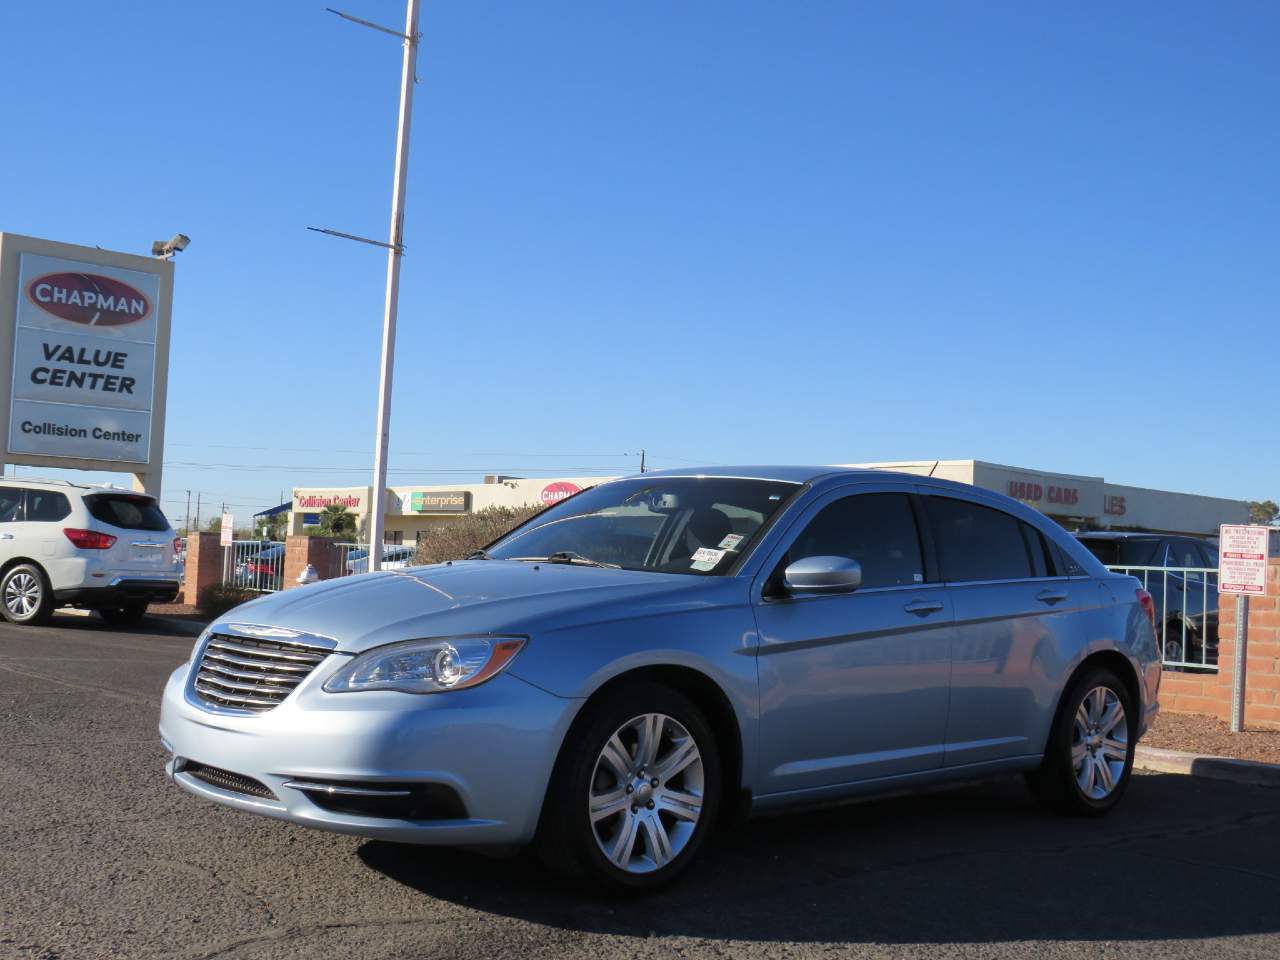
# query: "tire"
653,807
1087,765
25,596
125,616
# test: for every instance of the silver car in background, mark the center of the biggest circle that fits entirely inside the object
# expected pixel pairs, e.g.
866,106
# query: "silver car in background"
659,653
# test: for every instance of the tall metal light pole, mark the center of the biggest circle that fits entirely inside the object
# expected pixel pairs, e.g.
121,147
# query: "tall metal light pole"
395,249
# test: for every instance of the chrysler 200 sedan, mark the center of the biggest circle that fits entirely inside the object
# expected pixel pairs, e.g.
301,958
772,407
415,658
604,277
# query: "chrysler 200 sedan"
661,653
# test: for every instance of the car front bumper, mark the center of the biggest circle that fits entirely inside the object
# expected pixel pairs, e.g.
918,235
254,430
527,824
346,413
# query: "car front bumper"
492,746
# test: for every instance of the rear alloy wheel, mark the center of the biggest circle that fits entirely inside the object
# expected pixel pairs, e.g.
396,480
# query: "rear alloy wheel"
1087,764
124,616
1099,743
25,595
634,793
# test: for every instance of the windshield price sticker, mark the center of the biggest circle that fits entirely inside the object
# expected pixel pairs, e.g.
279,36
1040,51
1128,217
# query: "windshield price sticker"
731,541
705,558
1242,559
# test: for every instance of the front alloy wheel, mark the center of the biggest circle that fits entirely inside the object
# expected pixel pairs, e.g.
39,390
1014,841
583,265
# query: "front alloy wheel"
634,792
646,793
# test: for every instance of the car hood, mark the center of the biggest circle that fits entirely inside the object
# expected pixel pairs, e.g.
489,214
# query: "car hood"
473,597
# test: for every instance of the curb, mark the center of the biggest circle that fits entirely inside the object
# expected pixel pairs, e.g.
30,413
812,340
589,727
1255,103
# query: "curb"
1213,768
179,625
192,628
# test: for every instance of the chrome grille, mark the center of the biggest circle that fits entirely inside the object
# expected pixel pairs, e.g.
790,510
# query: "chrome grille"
248,673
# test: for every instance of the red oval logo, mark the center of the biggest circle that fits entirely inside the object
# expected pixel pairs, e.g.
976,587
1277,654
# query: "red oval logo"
89,298
555,492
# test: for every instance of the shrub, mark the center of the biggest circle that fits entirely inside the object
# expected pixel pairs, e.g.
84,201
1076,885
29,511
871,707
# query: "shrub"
217,598
458,538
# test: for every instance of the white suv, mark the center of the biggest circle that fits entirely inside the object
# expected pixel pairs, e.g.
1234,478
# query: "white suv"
66,544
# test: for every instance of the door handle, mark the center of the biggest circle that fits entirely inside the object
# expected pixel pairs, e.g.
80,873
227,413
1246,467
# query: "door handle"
6,536
923,607
1051,596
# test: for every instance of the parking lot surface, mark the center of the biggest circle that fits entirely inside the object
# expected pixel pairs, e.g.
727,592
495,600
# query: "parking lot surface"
102,857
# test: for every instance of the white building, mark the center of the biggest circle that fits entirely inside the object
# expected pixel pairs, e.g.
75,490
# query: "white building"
1073,500
1078,501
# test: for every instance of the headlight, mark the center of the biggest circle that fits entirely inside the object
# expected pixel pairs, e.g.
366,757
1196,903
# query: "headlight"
427,666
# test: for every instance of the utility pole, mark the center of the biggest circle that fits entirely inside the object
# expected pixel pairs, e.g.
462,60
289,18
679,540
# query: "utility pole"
197,511
395,250
188,526
642,459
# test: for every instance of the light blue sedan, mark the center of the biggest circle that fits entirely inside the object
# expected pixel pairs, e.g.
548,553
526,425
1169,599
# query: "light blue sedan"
661,653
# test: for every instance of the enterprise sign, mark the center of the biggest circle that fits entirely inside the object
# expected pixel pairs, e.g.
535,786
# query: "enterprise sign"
445,501
84,360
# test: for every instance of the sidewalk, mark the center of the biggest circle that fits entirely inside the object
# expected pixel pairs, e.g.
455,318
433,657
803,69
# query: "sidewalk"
1206,747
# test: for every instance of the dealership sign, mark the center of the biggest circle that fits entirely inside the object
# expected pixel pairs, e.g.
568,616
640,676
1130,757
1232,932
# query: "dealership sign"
1242,559
84,360
555,492
309,501
440,501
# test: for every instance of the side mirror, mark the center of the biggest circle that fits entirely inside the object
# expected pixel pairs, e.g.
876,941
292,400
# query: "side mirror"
823,575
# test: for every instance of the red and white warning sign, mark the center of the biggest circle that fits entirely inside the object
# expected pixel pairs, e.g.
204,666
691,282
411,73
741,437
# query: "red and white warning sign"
1242,559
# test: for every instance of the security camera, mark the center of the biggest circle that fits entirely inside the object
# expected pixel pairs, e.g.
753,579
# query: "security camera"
165,249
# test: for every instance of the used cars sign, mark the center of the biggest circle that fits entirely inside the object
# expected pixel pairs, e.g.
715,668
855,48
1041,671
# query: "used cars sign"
84,360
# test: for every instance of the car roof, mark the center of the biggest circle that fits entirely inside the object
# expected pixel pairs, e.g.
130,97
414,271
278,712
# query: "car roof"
1135,535
782,473
1118,535
829,475
69,484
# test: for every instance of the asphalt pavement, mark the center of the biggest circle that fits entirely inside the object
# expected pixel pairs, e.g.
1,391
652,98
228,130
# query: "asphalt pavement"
100,856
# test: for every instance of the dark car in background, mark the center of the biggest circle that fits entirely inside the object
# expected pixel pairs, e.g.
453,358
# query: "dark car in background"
1180,573
260,566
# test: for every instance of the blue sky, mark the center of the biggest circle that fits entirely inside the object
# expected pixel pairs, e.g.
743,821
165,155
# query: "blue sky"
1037,234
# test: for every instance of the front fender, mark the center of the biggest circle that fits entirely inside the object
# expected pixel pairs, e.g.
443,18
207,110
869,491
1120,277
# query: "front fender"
718,642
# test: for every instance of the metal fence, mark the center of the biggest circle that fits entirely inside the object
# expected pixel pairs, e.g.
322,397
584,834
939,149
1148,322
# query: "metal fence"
254,565
354,557
1186,601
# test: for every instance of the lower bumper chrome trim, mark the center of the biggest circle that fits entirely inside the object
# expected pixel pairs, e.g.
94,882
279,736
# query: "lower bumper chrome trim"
334,790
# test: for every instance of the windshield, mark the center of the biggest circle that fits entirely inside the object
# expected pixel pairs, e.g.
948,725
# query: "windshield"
693,525
1126,552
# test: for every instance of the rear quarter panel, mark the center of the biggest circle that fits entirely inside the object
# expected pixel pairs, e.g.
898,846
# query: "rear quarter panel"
1116,622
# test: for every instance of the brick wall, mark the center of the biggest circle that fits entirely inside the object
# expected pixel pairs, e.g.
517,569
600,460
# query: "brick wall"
1210,694
203,567
321,552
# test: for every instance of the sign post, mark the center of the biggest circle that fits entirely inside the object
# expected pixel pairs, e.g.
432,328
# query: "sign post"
226,538
1242,572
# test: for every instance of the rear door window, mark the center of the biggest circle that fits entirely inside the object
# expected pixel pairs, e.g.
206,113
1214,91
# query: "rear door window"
1184,553
128,512
10,505
876,529
978,543
48,506
1126,551
1041,563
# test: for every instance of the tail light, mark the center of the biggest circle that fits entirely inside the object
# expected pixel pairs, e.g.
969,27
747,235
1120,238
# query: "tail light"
177,544
1148,606
89,539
